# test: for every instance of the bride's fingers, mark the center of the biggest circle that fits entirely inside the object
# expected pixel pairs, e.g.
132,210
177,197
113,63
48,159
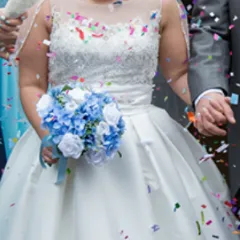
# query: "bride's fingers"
5,55
6,28
48,156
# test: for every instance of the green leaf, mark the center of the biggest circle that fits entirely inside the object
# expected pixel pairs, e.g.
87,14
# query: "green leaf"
66,87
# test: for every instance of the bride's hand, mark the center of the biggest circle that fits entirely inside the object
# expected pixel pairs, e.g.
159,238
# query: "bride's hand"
48,156
9,29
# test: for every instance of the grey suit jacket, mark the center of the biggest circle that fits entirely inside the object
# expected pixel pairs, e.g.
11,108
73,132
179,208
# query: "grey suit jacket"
212,44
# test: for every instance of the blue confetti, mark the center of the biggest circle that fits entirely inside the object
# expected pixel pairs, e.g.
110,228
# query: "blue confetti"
234,99
155,228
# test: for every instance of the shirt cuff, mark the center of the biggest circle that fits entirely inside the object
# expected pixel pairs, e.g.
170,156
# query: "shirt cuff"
204,93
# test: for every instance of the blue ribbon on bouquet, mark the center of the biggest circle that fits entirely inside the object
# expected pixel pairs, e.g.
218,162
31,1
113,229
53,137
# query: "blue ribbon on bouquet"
62,164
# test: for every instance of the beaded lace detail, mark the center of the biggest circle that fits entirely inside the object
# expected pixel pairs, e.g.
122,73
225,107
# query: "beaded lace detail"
83,48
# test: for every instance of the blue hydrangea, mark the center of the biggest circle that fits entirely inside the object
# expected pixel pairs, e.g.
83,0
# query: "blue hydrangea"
83,121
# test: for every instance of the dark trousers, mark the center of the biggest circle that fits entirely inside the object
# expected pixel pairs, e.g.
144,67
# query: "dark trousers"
2,153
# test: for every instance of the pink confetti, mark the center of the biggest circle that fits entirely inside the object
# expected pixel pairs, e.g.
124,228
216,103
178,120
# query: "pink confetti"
209,222
50,55
132,30
75,78
145,29
216,37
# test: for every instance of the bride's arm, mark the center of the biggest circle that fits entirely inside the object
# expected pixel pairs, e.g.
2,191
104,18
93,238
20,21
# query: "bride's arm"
33,67
173,50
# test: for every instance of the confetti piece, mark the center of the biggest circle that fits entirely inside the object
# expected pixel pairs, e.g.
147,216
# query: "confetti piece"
13,204
177,206
184,91
227,203
234,99
202,218
149,189
215,236
235,18
75,78
222,148
97,35
204,179
191,116
68,171
81,33
198,228
216,37
51,55
155,228
15,140
46,42
204,206
206,157
209,222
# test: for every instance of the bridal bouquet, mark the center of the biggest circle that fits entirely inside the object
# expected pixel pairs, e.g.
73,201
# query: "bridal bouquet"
80,122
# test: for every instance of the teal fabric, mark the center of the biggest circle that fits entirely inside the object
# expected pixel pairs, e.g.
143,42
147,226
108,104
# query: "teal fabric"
2,3
11,114
12,117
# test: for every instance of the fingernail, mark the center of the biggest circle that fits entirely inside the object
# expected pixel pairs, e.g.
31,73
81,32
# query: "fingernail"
3,18
7,22
23,17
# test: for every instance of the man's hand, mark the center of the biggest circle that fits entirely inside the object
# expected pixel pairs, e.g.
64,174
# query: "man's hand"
8,33
213,111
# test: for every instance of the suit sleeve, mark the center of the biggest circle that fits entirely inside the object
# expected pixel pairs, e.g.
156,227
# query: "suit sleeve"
210,50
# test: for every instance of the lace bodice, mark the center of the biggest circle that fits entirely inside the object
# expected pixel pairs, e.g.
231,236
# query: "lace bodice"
94,51
113,46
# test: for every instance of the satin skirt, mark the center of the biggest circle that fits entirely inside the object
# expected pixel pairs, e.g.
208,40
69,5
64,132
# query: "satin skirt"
156,191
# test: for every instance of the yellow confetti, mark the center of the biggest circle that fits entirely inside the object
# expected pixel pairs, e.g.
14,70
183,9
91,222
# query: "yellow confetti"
204,178
15,140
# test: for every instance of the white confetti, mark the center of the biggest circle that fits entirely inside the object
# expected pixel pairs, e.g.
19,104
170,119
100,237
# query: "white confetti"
222,148
46,42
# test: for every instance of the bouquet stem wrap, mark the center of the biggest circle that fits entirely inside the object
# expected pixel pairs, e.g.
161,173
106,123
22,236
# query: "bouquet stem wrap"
62,167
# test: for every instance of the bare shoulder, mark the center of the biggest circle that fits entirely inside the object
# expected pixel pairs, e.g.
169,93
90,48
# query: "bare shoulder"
170,11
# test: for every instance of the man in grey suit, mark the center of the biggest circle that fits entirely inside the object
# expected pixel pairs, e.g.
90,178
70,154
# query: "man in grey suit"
212,75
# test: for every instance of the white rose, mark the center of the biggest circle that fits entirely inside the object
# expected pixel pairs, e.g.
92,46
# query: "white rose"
78,95
71,146
44,103
96,158
111,114
71,106
103,128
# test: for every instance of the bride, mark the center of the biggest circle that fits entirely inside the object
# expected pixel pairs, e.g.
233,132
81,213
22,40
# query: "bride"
158,189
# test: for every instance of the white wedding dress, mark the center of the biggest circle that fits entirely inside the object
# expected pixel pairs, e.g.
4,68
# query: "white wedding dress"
157,190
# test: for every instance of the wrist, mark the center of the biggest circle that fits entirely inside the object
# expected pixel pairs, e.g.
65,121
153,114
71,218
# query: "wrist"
206,94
